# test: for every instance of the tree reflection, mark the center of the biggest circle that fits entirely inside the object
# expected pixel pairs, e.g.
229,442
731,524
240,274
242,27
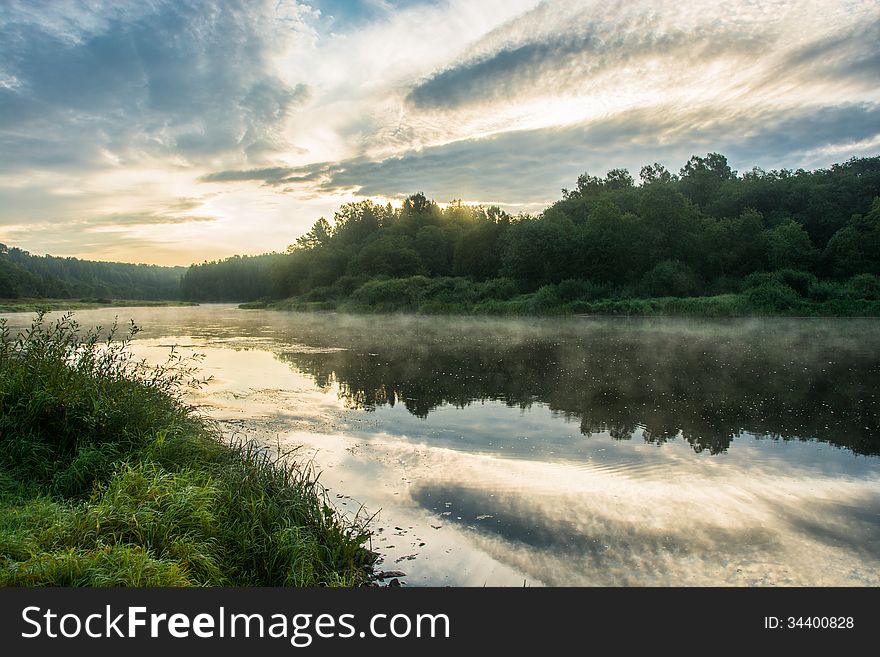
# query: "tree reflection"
705,387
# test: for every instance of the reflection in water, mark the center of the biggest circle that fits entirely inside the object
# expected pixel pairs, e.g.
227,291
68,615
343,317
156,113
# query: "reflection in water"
591,539
566,451
788,379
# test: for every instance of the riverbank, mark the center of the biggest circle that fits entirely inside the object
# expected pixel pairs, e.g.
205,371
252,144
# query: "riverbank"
727,305
108,478
782,294
30,305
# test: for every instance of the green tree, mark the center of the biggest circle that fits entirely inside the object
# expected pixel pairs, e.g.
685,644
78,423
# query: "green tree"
671,278
618,179
435,250
389,255
539,252
318,236
672,223
789,247
702,177
586,186
612,247
734,248
478,249
655,173
356,223
855,248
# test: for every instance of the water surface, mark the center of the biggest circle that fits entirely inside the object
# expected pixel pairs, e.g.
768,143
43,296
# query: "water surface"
575,451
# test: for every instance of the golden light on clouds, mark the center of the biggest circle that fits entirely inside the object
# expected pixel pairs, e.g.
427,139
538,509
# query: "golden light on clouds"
107,130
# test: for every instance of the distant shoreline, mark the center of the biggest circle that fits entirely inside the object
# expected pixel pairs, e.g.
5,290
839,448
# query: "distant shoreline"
33,304
532,305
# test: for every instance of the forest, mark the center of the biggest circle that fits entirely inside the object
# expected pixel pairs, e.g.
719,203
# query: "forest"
24,275
707,240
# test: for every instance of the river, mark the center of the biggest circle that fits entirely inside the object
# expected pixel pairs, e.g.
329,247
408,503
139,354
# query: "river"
564,451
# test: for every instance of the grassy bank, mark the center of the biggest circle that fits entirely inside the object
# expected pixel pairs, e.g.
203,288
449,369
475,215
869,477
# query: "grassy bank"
107,478
782,293
31,305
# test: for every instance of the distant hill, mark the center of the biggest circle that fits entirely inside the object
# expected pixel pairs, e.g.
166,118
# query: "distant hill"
23,274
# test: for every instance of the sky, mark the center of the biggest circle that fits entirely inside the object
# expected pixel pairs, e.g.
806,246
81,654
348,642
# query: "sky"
179,131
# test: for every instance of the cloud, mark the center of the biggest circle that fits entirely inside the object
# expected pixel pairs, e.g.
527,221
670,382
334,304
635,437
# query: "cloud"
583,48
145,219
114,109
851,54
274,175
188,79
346,14
268,174
529,167
172,212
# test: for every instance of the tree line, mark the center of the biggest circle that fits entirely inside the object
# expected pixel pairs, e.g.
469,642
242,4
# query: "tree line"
773,239
707,230
23,275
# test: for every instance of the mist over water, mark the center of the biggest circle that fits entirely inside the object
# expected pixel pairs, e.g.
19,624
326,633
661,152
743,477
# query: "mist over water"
575,451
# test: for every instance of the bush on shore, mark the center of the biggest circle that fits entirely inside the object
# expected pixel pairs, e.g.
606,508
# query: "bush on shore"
784,292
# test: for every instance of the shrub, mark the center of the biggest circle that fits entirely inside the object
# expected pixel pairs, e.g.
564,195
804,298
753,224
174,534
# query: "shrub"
393,293
756,279
497,288
452,291
826,291
320,293
572,289
670,278
772,295
545,299
345,285
799,281
864,286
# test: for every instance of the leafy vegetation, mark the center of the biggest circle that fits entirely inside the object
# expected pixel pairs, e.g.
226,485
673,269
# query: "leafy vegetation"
25,275
107,478
237,278
691,243
764,293
608,245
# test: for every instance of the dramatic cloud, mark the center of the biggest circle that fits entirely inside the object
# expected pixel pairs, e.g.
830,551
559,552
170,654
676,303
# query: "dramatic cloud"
263,115
528,168
851,55
553,62
187,79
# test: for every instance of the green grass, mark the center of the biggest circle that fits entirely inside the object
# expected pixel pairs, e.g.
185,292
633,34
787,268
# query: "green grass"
107,478
34,305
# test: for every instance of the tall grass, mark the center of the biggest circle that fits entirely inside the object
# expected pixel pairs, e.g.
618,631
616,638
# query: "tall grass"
108,478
